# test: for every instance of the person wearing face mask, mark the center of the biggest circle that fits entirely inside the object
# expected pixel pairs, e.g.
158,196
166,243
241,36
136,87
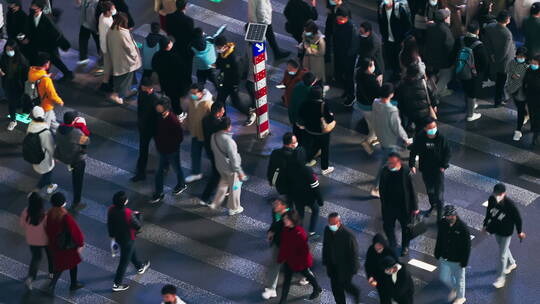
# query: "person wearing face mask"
530,29
433,153
292,76
15,20
345,49
370,46
199,106
439,52
452,249
260,11
424,14
531,86
378,250
340,256
43,36
105,11
59,221
394,23
313,48
168,137
297,13
396,284
295,256
146,123
168,294
122,225
330,24
514,86
14,72
500,46
280,159
398,201
299,96
368,85
502,216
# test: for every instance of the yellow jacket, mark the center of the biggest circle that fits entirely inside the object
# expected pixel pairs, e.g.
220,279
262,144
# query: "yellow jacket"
46,89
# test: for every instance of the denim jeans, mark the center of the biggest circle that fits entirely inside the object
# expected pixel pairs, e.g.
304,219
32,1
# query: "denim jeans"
453,275
196,154
505,255
44,180
384,155
165,160
127,254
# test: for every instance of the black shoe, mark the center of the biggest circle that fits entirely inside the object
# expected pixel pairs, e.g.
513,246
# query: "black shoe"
282,55
145,267
138,178
404,251
179,189
78,206
76,286
120,287
105,87
315,294
313,236
157,198
348,102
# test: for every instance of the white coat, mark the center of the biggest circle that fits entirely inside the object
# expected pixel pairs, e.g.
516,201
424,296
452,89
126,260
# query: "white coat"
260,11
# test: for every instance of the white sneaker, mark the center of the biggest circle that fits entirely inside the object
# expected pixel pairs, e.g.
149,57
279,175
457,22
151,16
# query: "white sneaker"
510,268
116,99
236,211
328,171
526,119
211,206
517,135
311,163
303,282
11,125
83,62
475,105
459,301
251,119
182,117
202,203
375,192
51,188
193,178
269,293
452,295
326,88
474,117
499,283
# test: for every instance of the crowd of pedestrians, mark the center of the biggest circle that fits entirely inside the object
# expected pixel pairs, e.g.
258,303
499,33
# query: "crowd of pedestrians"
426,51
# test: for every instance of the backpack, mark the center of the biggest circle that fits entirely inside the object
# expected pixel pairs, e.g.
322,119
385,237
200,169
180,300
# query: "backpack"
465,66
31,92
32,149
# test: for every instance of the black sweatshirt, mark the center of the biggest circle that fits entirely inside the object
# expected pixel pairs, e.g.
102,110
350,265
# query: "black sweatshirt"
502,217
434,153
453,242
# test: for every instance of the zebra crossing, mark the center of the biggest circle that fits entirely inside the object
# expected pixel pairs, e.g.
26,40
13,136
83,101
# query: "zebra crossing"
234,265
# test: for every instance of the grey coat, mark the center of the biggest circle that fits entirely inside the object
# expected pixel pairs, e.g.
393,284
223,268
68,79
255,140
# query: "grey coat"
226,156
500,46
314,50
388,124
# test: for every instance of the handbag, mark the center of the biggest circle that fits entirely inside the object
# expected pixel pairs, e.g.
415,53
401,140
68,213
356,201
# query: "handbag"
65,239
431,110
325,126
416,227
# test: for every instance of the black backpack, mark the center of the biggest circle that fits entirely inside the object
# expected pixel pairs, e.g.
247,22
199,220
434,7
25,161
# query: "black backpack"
32,149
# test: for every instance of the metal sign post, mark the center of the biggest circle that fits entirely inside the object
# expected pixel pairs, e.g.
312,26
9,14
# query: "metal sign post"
255,34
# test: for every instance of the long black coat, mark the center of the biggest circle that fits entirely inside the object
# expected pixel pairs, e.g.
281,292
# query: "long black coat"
371,47
15,23
181,26
168,65
45,37
340,253
531,84
408,204
439,49
298,13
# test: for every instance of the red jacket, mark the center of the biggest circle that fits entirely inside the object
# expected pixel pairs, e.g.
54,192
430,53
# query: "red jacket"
290,82
64,259
294,250
168,134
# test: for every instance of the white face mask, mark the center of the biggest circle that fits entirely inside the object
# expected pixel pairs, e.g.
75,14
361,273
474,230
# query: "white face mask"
432,2
499,198
295,145
113,12
389,271
371,69
10,53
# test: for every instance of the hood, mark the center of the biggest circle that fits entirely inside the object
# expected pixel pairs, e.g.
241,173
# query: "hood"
35,73
379,238
35,127
231,46
65,129
153,39
199,43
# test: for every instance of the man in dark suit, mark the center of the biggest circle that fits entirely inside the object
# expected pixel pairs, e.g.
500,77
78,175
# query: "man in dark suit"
42,35
397,285
340,256
370,46
280,158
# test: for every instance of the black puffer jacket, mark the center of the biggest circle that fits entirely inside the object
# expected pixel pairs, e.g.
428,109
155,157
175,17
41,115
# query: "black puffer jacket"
413,100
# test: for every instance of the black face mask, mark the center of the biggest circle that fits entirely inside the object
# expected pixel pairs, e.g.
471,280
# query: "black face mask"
32,12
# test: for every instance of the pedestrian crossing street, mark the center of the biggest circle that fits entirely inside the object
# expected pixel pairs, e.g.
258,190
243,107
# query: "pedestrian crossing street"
215,258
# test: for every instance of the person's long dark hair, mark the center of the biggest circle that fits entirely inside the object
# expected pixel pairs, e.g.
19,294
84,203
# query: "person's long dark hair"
15,47
410,52
35,210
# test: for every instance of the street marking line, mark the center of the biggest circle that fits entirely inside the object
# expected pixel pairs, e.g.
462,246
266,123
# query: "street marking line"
422,265
485,204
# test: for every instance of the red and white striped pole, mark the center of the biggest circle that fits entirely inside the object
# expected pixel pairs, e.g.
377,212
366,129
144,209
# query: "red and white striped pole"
259,70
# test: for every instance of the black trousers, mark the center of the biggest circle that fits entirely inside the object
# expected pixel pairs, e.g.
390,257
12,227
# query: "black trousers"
204,75
521,106
391,57
84,36
389,225
127,254
434,182
300,135
55,60
405,299
233,91
344,74
213,181
175,102
250,88
288,277
144,143
37,254
271,38
72,277
500,82
77,178
315,142
340,286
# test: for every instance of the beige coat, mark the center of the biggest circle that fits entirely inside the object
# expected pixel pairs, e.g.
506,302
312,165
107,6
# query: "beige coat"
164,7
314,50
122,54
197,110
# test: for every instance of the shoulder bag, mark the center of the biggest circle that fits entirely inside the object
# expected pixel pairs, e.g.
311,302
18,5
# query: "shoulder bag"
325,126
